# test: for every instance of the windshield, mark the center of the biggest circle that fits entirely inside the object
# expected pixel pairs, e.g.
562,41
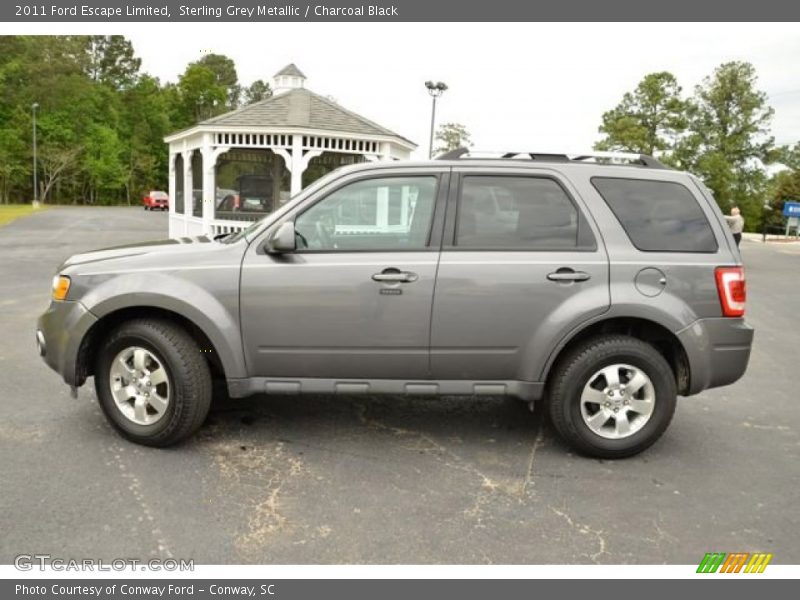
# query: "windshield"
256,225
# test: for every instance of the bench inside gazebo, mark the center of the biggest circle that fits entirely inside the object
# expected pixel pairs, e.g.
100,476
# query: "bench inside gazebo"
231,170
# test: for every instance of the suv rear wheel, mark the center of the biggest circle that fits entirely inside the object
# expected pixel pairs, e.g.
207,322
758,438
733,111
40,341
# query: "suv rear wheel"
612,396
153,384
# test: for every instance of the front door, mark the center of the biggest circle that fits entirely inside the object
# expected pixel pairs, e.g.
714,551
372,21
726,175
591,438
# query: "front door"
520,265
354,300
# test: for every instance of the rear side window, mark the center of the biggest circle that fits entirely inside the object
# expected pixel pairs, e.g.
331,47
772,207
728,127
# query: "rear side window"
658,216
517,213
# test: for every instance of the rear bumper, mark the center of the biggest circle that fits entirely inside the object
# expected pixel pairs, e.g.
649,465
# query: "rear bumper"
718,351
59,333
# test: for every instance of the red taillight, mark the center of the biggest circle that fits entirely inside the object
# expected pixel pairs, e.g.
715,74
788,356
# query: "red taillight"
732,290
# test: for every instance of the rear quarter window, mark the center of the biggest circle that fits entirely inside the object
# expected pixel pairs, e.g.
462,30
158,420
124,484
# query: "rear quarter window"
658,216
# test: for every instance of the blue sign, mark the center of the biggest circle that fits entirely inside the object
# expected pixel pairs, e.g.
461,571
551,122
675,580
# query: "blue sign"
791,209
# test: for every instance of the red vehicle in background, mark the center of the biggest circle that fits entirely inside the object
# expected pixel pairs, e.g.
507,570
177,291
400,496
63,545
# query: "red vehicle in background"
155,200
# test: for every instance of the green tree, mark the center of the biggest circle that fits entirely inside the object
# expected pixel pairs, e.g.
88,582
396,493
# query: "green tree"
59,152
100,121
451,136
257,91
15,154
112,61
787,187
201,95
784,186
729,139
145,123
102,163
55,78
225,75
786,155
648,120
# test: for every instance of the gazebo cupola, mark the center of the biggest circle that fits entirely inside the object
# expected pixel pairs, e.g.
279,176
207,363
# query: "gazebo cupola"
288,78
230,170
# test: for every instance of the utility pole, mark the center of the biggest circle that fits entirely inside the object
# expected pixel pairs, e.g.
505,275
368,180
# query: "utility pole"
34,106
435,90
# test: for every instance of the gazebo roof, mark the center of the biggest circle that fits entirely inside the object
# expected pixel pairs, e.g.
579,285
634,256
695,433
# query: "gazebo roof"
300,107
291,70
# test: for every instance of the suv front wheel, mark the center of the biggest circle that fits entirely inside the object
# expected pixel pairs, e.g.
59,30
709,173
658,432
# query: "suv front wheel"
153,384
612,396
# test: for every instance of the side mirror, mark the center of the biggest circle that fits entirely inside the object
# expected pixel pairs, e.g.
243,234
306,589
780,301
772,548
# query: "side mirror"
283,240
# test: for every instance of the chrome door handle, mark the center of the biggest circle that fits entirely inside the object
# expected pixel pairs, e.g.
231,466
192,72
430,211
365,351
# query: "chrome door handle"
394,276
568,275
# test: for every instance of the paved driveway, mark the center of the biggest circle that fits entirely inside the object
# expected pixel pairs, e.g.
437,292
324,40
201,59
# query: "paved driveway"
386,480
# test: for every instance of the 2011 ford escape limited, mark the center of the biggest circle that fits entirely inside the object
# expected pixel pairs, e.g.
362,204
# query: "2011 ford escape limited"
604,289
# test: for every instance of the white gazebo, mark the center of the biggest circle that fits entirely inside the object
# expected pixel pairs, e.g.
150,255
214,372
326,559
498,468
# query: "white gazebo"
230,170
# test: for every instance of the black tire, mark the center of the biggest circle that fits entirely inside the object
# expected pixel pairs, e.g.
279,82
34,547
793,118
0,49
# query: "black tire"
145,206
573,371
189,379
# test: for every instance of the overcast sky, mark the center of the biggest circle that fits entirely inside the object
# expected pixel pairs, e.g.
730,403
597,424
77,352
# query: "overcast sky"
524,86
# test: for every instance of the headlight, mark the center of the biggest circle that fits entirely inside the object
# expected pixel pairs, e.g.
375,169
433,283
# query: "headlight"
60,287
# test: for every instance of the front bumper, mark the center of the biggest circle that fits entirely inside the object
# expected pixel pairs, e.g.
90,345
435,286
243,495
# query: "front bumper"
60,331
718,350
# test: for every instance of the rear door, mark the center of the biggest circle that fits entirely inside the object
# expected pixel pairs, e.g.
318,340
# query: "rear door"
521,265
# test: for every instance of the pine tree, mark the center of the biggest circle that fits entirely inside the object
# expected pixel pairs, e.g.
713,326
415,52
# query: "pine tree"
648,120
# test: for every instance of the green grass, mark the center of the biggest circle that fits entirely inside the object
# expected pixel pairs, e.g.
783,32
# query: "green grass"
9,212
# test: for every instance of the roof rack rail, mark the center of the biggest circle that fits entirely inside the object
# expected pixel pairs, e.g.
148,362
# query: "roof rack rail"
643,160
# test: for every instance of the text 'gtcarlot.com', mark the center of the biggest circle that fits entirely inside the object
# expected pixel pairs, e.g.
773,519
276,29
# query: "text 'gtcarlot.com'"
28,562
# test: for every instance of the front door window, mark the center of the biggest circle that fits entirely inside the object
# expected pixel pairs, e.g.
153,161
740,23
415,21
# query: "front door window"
386,214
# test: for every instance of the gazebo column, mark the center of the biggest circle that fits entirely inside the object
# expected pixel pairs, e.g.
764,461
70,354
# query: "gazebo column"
209,170
210,157
297,162
297,167
172,183
188,184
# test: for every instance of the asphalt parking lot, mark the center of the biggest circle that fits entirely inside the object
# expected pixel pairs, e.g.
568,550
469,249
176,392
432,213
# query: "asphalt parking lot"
387,480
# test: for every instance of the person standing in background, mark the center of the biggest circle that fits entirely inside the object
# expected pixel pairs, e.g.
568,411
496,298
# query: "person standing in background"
736,223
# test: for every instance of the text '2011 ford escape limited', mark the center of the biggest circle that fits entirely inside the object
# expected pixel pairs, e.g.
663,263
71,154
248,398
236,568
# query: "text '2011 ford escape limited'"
604,289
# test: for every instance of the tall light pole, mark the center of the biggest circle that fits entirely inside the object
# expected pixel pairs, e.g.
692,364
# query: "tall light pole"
435,90
34,106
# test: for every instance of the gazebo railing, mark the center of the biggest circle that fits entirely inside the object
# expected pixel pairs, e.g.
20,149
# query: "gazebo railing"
229,215
219,226
190,226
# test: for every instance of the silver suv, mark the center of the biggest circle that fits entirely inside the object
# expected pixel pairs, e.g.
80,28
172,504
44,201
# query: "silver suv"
604,289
